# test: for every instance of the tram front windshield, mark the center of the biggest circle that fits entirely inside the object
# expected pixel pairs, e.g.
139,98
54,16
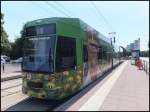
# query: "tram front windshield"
38,54
135,54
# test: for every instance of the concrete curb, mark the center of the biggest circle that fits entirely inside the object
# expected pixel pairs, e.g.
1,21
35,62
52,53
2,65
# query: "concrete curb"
10,78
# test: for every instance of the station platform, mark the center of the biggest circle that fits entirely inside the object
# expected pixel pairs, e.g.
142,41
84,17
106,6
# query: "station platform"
125,89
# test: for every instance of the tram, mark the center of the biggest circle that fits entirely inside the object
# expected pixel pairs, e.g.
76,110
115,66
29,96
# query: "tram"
62,56
135,54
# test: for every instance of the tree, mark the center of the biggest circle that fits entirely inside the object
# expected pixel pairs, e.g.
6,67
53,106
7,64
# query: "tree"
17,47
5,45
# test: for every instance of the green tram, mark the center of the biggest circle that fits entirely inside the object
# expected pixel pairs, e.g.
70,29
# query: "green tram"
61,56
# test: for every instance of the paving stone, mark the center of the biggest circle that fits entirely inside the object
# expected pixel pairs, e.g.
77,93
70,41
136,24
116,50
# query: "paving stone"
130,92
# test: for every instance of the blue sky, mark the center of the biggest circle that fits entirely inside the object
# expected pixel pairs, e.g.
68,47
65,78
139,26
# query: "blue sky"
129,19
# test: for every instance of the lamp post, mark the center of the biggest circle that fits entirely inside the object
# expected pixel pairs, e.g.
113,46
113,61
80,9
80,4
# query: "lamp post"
111,34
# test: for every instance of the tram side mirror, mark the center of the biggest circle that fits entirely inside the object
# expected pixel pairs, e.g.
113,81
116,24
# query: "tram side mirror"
114,39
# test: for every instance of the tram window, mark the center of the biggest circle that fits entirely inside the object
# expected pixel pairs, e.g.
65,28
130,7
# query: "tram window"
41,30
46,29
100,53
31,31
104,55
109,56
85,54
65,54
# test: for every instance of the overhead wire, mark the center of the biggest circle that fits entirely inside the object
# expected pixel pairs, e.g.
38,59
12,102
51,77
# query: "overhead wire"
106,21
66,10
100,13
43,8
64,13
59,4
52,5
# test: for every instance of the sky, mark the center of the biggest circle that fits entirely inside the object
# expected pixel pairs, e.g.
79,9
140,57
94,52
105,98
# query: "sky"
129,19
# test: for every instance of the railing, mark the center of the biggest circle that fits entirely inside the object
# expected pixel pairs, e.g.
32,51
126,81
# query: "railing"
145,66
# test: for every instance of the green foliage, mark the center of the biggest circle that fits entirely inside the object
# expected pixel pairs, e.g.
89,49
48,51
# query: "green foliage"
17,47
14,50
5,45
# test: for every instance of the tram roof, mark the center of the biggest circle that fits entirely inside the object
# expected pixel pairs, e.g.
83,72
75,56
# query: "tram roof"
76,22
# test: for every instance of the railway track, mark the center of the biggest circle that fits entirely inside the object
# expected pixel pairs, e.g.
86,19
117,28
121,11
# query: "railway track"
10,87
13,100
10,91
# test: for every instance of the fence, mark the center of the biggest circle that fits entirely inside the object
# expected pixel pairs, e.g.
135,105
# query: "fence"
145,66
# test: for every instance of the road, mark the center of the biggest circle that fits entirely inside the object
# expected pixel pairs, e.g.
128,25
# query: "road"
10,87
12,98
11,93
11,67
